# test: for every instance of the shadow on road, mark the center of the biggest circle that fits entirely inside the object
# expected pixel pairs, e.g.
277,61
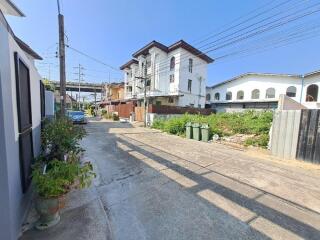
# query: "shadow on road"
262,211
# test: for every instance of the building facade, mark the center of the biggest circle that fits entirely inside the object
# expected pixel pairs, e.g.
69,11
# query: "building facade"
113,92
21,112
174,75
262,91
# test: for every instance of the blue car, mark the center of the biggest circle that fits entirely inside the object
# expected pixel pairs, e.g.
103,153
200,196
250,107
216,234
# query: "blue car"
77,116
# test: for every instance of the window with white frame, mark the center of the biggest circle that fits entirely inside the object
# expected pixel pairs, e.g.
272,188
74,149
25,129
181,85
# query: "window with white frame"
189,85
171,78
255,94
172,63
312,93
217,96
190,65
229,96
270,93
291,91
240,95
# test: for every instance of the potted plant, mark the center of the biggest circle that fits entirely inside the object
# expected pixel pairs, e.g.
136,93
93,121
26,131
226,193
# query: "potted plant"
52,181
61,137
58,169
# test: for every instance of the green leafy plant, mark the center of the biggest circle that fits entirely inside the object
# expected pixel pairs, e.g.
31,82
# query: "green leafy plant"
61,137
57,177
258,141
224,124
158,124
107,115
115,117
103,111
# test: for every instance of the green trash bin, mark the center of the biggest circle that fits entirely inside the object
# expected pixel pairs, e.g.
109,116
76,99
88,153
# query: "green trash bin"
189,130
196,131
205,133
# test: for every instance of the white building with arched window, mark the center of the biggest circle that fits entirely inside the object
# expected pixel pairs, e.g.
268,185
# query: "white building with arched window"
175,75
262,91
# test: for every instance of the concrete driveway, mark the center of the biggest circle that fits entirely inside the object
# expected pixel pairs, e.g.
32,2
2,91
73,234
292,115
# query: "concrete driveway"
156,186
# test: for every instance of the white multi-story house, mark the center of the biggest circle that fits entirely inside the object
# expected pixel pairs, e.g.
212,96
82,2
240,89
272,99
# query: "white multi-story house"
176,75
262,91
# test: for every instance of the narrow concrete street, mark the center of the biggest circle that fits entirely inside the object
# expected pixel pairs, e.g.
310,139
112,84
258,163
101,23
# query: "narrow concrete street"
156,186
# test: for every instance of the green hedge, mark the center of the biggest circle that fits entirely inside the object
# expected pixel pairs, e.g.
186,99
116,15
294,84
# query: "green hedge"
225,124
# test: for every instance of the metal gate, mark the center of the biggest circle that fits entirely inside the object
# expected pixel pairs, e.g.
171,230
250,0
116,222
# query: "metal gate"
308,148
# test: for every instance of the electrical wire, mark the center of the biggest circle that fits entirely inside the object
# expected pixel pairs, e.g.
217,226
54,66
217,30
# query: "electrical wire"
242,38
93,58
246,21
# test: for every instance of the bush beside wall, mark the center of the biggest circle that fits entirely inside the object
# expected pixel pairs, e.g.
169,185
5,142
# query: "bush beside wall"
225,124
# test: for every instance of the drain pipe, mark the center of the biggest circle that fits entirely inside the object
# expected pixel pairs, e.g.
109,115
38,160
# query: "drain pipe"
302,85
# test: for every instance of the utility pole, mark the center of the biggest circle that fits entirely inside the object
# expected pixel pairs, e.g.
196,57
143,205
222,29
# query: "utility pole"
80,75
62,61
145,79
49,72
71,100
77,99
145,95
95,101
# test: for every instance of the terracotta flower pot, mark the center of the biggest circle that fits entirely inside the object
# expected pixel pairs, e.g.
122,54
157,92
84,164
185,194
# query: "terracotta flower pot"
48,209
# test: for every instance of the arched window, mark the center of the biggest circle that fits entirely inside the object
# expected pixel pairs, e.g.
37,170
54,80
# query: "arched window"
291,91
217,96
270,93
240,95
172,63
229,96
255,94
208,97
190,65
312,93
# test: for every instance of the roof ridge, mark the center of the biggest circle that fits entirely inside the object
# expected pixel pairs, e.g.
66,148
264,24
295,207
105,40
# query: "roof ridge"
254,73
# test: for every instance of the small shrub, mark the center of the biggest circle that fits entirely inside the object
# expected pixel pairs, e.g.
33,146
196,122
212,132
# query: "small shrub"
103,111
258,141
176,126
107,115
225,124
60,137
158,124
59,176
115,117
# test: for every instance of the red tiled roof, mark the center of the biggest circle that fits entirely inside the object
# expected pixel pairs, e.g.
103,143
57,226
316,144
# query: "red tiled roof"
145,49
191,49
126,65
179,44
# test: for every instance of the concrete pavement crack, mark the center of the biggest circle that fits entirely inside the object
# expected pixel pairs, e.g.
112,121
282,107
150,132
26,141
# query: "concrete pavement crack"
128,176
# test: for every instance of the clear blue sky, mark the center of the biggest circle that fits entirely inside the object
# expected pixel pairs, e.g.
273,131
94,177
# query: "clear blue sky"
112,30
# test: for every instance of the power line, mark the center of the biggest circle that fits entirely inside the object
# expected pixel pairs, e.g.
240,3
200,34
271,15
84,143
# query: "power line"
244,37
312,32
223,39
259,31
246,27
284,42
248,19
92,58
278,36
